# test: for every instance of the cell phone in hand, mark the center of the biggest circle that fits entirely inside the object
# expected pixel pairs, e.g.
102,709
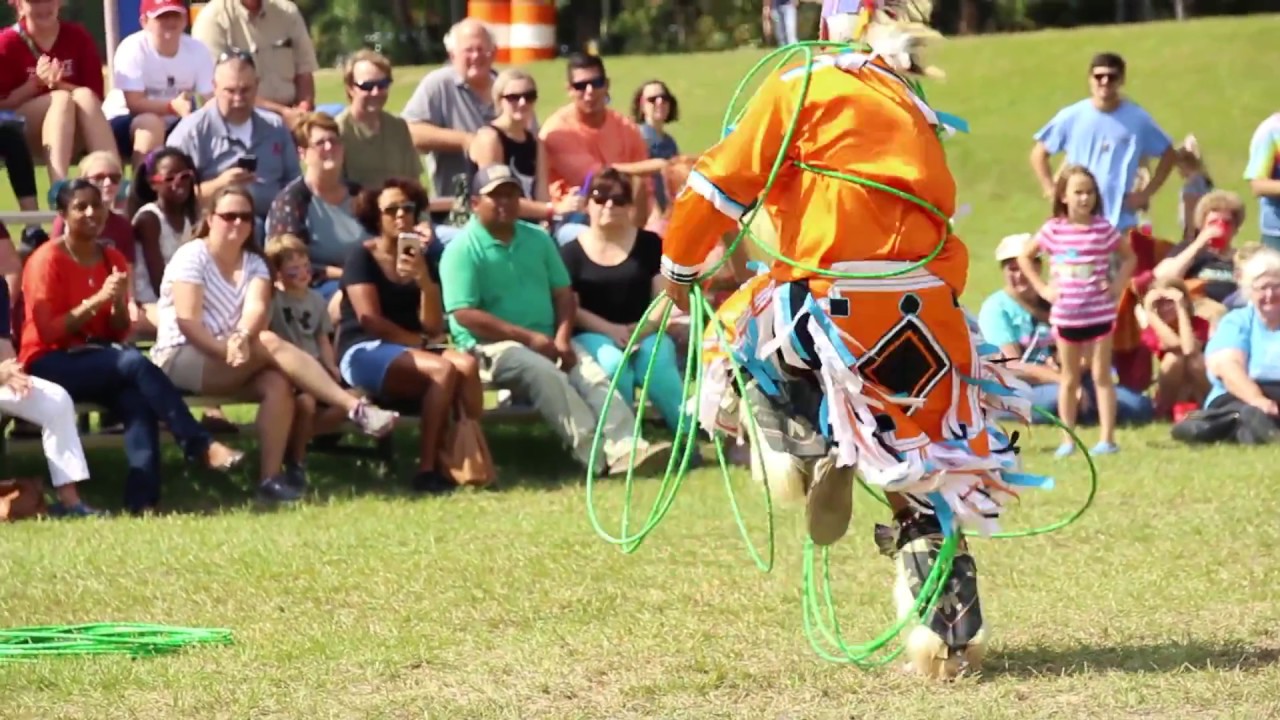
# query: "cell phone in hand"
408,243
248,163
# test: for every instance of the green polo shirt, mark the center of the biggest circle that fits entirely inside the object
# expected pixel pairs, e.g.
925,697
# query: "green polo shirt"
511,281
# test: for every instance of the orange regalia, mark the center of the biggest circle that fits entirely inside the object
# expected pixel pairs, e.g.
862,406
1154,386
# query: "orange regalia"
855,331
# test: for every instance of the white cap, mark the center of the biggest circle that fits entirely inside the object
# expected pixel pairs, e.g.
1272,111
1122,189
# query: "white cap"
1012,246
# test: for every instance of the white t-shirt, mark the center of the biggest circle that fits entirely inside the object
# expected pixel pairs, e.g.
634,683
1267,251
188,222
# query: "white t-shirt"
139,68
223,302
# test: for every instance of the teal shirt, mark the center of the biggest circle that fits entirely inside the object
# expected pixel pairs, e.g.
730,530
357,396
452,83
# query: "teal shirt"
511,281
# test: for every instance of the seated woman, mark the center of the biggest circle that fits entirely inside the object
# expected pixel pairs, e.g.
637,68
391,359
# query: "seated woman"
47,405
215,301
1176,337
613,266
653,107
18,163
51,76
76,308
103,169
164,208
1241,353
510,140
1205,263
392,321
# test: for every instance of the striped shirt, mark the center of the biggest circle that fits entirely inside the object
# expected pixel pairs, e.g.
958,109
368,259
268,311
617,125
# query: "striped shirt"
223,301
1080,259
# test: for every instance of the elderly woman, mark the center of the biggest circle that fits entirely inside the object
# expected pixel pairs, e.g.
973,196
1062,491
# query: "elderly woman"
51,76
1241,354
76,302
212,338
1205,262
392,319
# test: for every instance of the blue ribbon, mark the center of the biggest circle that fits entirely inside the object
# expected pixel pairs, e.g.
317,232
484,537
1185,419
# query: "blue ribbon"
955,122
1043,482
946,519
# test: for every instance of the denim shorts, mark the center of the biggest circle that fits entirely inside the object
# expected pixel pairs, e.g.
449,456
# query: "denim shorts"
364,365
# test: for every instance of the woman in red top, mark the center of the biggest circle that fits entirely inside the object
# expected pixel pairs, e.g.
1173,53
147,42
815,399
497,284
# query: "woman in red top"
51,75
76,296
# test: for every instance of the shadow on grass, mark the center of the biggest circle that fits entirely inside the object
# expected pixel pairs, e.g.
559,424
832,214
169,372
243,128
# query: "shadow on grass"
528,456
1167,657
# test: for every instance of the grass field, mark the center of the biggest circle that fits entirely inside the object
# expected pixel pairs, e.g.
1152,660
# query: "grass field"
365,603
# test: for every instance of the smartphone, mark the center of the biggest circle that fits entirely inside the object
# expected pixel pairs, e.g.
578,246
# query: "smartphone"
247,162
408,243
1223,237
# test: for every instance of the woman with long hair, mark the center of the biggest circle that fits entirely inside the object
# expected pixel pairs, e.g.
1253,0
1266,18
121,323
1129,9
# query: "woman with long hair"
211,338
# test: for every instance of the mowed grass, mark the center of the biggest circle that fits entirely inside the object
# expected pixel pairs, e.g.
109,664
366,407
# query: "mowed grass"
366,603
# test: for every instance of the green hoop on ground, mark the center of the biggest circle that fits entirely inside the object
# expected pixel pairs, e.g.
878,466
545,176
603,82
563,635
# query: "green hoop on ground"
821,627
27,644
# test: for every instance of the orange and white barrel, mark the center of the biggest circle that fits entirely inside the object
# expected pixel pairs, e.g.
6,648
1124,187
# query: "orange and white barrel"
533,30
496,16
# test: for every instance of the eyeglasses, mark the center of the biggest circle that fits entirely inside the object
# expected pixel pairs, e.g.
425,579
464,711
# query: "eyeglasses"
231,218
326,143
652,99
394,210
104,178
596,82
237,54
371,85
175,179
530,96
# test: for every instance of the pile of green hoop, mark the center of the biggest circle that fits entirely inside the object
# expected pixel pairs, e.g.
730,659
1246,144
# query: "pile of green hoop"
820,624
132,639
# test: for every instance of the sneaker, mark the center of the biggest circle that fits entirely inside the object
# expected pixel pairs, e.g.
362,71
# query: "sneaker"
372,419
1064,450
295,476
79,510
276,489
1105,448
650,458
433,482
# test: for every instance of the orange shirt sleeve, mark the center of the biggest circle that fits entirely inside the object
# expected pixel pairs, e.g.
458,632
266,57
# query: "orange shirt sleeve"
728,178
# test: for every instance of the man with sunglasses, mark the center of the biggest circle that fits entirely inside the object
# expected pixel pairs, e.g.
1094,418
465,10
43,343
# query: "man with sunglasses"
274,35
1110,135
379,144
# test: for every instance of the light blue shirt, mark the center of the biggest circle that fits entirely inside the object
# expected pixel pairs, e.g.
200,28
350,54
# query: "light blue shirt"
1004,321
1243,330
1111,145
1264,164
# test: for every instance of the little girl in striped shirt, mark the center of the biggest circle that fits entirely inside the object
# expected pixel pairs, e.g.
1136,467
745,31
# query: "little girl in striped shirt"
1084,292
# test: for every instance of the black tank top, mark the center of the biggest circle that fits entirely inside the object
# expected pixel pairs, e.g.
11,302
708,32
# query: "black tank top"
521,157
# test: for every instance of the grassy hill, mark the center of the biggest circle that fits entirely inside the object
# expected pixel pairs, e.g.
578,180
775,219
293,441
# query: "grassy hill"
363,603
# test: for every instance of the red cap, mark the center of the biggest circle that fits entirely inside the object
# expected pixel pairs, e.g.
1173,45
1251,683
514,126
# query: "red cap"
155,8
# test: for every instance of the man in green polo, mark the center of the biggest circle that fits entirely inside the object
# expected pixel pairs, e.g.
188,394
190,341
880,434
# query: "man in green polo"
509,299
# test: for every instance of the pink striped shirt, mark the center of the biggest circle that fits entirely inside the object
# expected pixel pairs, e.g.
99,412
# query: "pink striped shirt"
1080,259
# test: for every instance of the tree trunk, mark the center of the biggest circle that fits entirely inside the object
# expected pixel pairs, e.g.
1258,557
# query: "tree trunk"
1180,9
969,17
1120,11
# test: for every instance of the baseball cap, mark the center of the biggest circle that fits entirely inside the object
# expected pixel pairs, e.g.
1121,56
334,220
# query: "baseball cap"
492,177
1012,246
155,8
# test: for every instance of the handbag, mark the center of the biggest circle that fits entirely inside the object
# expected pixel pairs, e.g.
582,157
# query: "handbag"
22,498
464,454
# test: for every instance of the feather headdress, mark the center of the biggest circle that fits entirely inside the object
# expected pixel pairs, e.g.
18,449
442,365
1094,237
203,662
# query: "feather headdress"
896,30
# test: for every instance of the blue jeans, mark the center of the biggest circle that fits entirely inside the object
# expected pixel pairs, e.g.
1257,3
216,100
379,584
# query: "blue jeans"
666,387
125,381
1271,241
1131,408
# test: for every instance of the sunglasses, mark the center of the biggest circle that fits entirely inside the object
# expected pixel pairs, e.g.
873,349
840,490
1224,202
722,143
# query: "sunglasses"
232,218
617,198
371,85
1108,76
175,179
236,54
597,82
103,178
530,96
394,210
655,98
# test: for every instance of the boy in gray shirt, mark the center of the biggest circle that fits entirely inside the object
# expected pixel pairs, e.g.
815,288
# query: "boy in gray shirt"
300,316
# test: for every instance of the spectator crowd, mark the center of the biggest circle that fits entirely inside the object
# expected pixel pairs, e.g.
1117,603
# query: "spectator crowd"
288,254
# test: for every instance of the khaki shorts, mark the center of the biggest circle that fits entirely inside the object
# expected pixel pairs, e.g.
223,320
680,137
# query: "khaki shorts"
185,367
